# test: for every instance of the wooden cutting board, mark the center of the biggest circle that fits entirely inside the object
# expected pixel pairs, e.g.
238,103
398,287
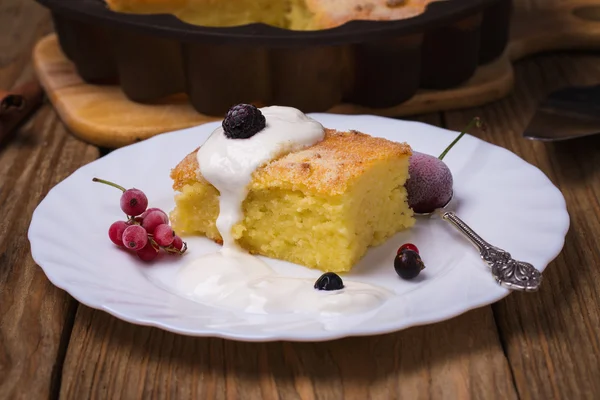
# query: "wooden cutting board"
103,116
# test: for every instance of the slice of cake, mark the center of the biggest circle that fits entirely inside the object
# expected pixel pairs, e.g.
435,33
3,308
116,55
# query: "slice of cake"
320,206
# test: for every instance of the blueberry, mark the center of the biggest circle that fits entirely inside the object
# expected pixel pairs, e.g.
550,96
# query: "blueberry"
408,264
243,121
329,281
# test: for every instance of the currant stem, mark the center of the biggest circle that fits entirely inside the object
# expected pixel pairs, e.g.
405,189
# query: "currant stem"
172,250
153,243
474,122
121,188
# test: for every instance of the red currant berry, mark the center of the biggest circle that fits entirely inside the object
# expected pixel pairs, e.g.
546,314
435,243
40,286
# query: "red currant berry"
148,211
135,237
115,232
134,202
408,246
164,235
148,252
154,219
177,243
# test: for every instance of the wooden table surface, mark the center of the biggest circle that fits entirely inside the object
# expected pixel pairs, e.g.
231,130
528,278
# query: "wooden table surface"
533,346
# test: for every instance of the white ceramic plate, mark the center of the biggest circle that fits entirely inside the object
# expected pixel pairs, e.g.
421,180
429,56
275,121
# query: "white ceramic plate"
509,202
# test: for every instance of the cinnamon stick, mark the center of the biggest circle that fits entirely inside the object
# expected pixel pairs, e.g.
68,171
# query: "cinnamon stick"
16,105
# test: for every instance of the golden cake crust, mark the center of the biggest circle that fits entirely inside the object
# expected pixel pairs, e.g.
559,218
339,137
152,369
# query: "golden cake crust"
327,167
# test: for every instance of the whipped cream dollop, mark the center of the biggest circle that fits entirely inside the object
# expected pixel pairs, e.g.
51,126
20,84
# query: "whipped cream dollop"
234,279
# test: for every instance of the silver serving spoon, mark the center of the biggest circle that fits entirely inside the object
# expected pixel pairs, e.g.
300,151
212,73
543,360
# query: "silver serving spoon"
508,272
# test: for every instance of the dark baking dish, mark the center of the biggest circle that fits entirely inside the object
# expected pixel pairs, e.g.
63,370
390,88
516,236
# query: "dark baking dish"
375,64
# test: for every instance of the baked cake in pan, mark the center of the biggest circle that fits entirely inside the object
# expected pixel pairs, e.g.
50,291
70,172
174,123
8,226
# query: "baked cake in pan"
290,14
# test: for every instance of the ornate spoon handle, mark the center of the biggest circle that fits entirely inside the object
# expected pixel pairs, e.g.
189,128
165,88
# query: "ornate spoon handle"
508,272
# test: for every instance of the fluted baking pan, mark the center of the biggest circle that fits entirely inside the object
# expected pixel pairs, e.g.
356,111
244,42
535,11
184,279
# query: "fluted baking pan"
369,63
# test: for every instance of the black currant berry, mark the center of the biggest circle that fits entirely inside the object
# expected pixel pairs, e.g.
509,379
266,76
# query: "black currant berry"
408,264
329,281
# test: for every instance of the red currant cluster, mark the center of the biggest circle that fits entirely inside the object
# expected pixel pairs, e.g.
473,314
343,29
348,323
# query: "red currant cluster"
146,230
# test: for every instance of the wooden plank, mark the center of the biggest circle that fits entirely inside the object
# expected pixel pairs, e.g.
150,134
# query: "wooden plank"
34,315
461,358
551,337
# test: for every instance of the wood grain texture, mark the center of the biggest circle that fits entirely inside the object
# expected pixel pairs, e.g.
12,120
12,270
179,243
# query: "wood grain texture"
34,315
539,26
22,24
457,359
551,337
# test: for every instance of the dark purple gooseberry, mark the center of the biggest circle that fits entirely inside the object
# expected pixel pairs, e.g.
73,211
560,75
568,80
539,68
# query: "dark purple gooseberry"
430,185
